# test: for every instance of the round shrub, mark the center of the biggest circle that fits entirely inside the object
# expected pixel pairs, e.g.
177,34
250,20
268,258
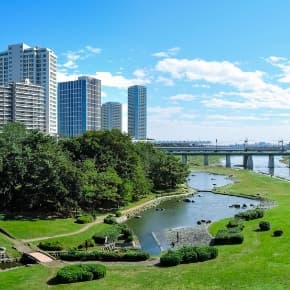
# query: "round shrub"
170,258
118,213
235,224
98,270
111,220
277,233
73,273
188,254
51,246
84,219
264,226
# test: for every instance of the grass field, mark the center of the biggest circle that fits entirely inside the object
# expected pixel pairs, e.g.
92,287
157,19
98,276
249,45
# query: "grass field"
4,242
261,262
33,228
75,240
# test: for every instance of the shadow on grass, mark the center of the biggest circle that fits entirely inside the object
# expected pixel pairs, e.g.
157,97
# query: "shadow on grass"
52,281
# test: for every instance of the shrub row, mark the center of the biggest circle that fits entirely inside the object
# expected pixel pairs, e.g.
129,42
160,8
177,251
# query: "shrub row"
117,255
50,246
188,255
81,272
84,219
250,214
228,237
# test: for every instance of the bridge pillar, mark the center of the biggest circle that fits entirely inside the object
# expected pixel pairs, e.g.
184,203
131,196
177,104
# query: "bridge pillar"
228,161
271,161
205,160
184,158
248,162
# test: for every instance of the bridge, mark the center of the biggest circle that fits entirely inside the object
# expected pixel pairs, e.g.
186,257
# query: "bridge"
228,151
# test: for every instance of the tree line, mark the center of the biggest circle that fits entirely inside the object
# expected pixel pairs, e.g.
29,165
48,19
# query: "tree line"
98,169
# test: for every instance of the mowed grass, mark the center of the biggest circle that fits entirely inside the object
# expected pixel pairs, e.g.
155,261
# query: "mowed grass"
73,241
33,228
4,242
261,262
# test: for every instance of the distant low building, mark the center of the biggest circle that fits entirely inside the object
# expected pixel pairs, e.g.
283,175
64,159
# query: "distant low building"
112,116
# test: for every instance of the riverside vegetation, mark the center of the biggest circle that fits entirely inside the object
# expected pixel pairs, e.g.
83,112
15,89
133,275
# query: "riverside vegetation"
260,262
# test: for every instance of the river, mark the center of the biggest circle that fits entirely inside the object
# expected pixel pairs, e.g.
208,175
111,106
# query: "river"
176,213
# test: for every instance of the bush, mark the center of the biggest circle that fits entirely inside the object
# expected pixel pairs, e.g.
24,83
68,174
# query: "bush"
129,238
118,255
51,246
84,219
188,255
81,272
235,223
264,226
227,237
171,258
110,219
250,214
118,213
87,244
277,233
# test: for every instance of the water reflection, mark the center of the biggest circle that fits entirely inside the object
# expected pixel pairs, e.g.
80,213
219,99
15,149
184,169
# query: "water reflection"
177,213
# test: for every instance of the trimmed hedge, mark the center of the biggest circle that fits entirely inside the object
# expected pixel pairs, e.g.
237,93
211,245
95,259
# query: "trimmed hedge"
51,246
84,219
80,272
277,233
236,223
228,237
110,219
250,214
188,255
117,255
264,226
171,258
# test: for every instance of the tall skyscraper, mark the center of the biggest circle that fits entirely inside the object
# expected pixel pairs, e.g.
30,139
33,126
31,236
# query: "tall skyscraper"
21,62
24,103
112,116
79,106
137,112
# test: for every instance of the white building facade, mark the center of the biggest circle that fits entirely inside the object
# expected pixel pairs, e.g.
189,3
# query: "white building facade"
38,65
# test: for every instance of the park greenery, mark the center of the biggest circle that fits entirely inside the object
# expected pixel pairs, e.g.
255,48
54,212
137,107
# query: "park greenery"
260,262
97,170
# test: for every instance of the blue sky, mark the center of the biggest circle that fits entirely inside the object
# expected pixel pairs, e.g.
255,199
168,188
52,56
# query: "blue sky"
213,69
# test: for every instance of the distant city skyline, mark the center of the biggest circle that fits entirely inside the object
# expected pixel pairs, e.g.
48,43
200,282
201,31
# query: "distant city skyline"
213,69
111,116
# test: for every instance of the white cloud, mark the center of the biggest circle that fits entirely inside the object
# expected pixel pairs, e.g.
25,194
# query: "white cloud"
223,72
63,76
72,57
236,118
283,64
182,97
119,81
168,53
166,81
139,73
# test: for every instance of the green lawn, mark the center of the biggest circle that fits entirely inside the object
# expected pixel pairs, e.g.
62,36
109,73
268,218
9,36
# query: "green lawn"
33,228
75,240
4,242
261,262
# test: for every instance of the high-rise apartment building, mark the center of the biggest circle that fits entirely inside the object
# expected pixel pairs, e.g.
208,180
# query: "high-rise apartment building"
112,116
38,65
79,106
137,112
24,103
